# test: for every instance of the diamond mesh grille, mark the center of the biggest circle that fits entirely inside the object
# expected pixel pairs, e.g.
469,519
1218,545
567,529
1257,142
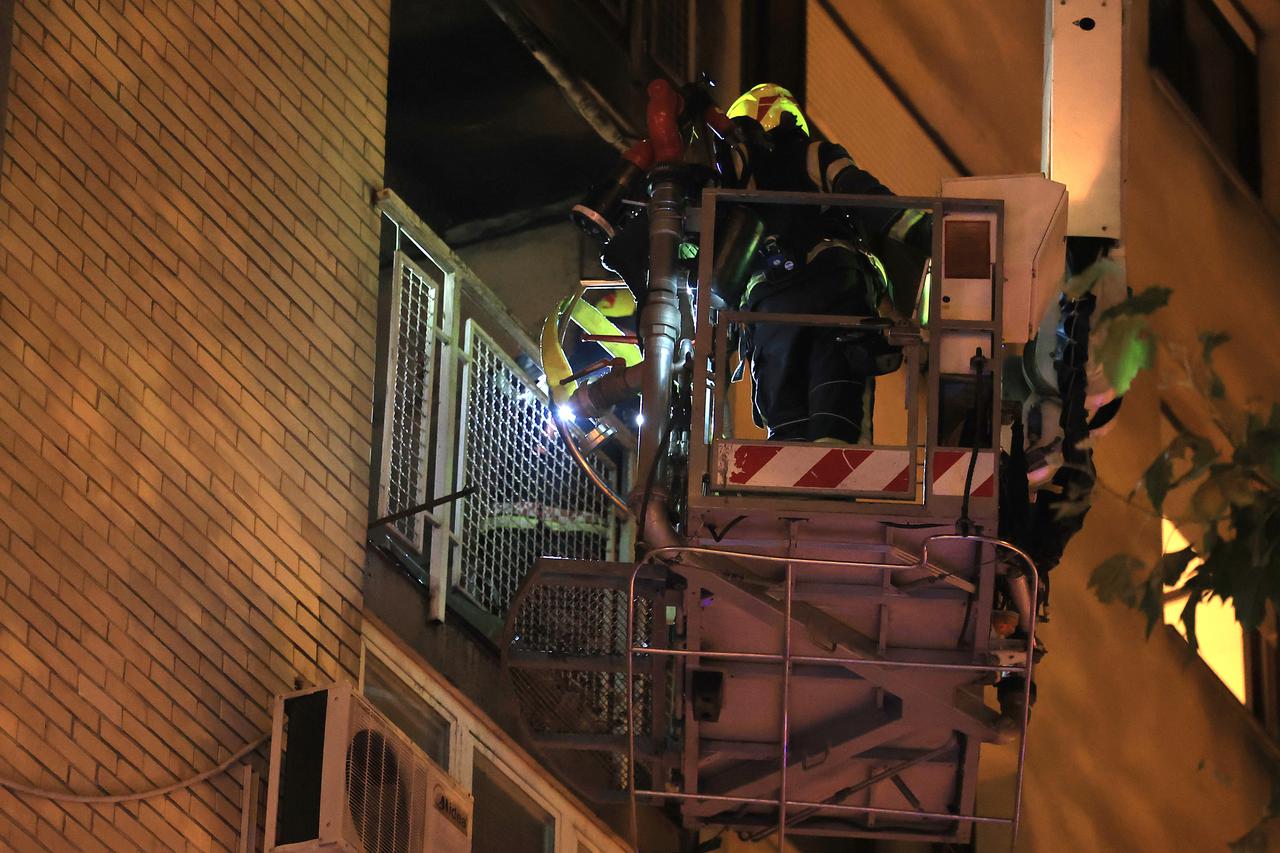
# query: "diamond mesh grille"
386,787
530,498
411,397
589,622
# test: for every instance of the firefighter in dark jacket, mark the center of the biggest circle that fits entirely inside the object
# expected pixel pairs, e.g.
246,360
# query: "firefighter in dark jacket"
811,382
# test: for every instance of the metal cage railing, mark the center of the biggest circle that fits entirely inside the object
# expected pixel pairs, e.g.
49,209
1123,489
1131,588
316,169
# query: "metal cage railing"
457,415
529,498
793,811
408,416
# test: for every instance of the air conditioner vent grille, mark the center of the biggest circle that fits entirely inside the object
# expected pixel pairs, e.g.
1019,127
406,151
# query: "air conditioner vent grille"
386,787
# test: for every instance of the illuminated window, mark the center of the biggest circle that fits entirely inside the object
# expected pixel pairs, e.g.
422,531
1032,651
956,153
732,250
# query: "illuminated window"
1220,637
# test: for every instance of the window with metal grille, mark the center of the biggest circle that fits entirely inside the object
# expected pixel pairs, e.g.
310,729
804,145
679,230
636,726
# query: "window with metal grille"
473,483
1207,51
530,499
409,424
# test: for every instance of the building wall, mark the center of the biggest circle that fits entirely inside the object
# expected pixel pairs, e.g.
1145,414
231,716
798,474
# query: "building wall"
186,356
1134,744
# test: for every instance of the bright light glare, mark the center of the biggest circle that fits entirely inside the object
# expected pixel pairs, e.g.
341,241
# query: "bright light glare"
564,412
639,420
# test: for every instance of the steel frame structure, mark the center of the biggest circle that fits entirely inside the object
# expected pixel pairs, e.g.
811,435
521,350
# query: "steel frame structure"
710,349
787,660
843,521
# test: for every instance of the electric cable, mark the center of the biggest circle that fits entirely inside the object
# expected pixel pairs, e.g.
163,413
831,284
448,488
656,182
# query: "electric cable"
976,419
113,799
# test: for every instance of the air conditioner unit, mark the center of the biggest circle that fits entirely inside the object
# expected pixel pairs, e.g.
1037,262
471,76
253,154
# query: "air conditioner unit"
343,779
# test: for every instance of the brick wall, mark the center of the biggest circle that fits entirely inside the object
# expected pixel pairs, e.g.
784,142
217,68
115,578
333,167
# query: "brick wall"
187,304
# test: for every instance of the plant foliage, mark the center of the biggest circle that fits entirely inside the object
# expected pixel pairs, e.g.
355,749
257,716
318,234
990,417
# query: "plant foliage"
1232,482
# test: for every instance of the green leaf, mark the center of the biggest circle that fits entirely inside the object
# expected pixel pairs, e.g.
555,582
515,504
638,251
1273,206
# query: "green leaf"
1125,350
1203,455
1210,341
1139,304
1152,602
1085,280
1157,479
1112,579
1172,566
1226,486
1188,619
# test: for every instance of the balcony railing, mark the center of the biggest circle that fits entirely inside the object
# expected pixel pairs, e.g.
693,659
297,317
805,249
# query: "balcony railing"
464,435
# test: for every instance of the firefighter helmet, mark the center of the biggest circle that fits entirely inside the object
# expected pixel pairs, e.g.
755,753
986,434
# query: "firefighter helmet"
766,104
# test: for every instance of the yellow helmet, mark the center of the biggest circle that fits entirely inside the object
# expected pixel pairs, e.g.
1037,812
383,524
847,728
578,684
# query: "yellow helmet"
766,103
617,303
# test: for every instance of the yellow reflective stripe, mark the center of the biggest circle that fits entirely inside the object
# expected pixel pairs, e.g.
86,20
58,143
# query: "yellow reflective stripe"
885,286
814,166
906,221
554,363
755,279
925,295
834,168
593,322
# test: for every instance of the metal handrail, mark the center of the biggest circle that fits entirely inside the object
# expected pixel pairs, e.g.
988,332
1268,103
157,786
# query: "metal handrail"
787,659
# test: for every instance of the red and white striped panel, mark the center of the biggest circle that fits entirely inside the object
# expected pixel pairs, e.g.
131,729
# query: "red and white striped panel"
812,466
950,468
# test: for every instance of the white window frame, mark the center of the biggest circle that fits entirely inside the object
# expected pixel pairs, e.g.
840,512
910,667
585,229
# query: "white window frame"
470,730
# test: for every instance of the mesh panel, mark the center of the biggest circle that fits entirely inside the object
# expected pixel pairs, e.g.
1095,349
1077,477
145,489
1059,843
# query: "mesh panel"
531,499
411,397
386,787
582,622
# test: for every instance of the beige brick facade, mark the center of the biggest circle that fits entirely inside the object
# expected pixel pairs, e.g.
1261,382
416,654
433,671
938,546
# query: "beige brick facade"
187,306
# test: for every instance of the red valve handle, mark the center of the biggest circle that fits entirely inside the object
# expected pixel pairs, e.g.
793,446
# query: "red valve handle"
664,129
641,154
718,121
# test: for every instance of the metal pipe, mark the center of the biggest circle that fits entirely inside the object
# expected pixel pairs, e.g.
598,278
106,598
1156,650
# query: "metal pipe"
595,399
422,507
786,698
634,817
1022,600
659,329
829,807
874,779
767,657
592,474
653,520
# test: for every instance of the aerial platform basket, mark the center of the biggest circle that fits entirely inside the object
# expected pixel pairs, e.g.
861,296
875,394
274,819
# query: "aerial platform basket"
812,657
